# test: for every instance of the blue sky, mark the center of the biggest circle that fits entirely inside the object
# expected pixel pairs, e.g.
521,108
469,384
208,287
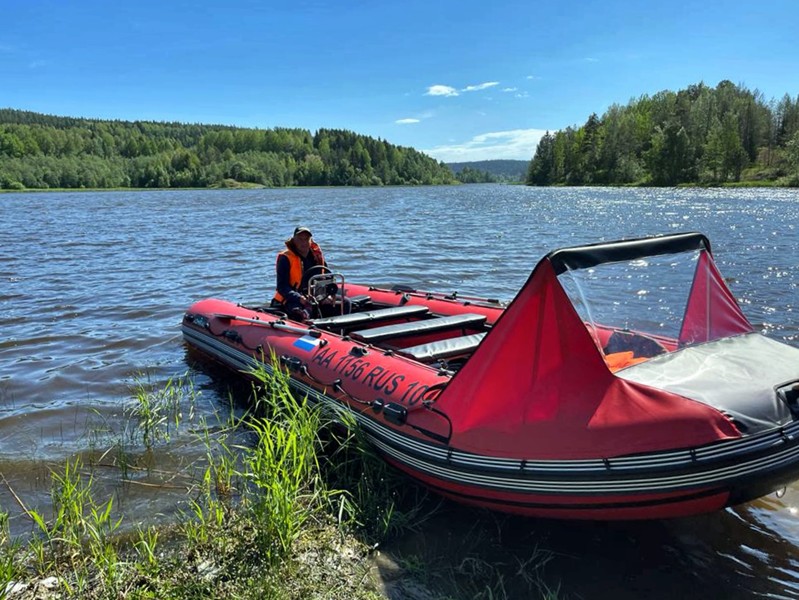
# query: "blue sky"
458,80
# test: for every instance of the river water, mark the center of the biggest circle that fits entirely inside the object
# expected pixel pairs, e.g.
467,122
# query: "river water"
93,287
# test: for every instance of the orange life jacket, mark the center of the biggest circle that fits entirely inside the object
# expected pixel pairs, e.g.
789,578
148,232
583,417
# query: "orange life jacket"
295,266
619,360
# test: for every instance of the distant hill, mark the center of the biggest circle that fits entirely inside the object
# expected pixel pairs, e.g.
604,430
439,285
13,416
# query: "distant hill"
502,170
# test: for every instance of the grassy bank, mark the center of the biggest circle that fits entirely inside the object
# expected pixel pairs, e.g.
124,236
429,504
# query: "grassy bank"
300,509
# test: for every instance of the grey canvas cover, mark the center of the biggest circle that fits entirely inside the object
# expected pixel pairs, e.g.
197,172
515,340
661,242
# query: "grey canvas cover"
737,375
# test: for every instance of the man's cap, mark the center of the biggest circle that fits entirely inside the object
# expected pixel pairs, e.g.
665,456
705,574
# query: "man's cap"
301,229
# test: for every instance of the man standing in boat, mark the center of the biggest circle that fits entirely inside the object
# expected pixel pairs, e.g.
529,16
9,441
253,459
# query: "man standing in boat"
301,260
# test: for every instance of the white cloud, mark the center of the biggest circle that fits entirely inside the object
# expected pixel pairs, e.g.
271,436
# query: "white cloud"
480,86
516,144
509,89
448,90
441,90
591,59
37,64
406,121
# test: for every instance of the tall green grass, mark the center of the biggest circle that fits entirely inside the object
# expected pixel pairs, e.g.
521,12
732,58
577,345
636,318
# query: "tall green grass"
288,503
250,504
158,411
10,565
76,542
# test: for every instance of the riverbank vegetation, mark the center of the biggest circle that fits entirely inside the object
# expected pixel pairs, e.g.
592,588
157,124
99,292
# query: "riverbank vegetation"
43,152
699,135
471,175
284,505
490,171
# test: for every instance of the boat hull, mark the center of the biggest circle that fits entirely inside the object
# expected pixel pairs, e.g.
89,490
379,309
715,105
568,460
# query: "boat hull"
365,381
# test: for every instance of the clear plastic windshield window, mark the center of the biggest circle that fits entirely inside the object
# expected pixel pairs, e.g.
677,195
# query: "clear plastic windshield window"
638,309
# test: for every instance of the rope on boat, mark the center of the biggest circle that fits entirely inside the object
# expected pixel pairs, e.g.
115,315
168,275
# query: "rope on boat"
335,384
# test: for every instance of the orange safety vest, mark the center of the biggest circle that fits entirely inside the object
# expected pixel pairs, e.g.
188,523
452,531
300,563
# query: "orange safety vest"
295,266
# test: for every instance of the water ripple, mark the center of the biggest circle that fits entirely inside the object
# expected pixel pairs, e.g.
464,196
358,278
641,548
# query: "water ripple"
93,287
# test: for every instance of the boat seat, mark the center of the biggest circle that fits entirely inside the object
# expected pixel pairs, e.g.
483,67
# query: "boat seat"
387,332
371,316
448,348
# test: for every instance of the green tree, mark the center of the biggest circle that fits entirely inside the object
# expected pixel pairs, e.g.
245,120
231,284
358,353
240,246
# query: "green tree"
670,157
542,167
11,145
792,156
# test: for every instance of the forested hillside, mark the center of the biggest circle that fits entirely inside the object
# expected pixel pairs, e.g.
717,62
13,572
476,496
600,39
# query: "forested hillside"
698,135
42,151
511,171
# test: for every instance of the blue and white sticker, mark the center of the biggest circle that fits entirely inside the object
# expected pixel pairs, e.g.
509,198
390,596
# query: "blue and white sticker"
307,343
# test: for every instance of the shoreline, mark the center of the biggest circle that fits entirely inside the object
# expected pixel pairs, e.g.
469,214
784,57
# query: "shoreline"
728,185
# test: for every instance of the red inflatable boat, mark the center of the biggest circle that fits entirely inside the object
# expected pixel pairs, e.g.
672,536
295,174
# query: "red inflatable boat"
622,382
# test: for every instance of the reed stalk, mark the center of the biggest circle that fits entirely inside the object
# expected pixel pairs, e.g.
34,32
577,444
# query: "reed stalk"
157,411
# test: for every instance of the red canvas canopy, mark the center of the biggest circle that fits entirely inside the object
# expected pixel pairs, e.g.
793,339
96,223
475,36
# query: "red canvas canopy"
540,387
712,311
